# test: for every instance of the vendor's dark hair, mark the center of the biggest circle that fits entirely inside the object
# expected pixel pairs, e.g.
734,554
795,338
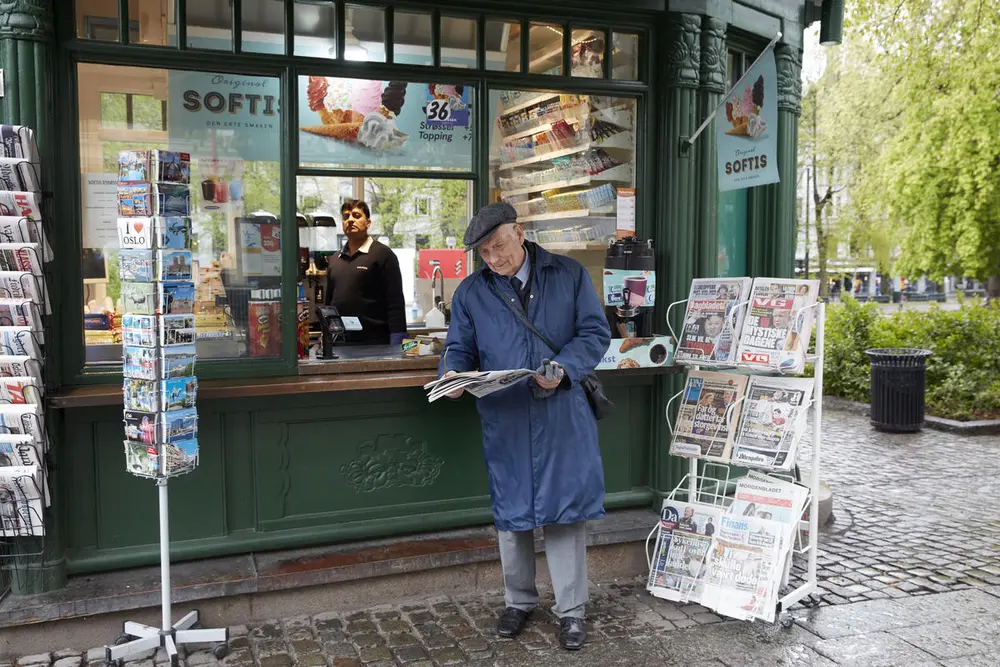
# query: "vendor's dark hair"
352,204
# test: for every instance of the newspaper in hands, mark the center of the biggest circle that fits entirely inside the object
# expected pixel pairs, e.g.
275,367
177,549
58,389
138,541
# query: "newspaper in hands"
477,383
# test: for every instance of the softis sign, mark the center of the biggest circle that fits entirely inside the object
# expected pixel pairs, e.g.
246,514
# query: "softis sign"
212,115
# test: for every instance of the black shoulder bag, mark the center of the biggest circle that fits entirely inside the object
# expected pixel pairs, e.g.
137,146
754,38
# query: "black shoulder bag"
591,384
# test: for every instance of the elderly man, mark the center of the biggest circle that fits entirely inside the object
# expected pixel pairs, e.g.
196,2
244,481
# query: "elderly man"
539,436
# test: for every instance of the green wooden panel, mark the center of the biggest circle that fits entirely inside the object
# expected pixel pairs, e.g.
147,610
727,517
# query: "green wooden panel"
280,472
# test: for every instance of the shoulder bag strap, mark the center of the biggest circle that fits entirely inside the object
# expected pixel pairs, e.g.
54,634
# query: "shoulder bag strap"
519,313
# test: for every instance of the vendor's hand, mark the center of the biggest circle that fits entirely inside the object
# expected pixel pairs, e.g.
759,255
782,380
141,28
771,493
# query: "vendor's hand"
551,378
458,392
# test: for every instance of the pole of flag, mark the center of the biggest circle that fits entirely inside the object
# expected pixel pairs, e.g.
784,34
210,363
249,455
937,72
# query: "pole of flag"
687,142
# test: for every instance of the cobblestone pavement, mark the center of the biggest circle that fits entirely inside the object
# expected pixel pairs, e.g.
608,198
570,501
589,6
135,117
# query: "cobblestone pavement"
914,546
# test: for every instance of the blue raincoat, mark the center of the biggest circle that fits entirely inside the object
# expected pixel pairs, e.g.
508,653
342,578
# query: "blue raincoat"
542,454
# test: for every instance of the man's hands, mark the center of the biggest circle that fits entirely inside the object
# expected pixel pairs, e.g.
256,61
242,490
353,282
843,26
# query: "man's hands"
550,375
458,392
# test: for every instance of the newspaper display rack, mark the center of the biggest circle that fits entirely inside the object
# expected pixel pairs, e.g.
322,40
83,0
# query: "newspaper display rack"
24,310
728,543
158,360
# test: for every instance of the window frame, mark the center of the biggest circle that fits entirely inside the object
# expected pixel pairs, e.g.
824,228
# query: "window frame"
287,67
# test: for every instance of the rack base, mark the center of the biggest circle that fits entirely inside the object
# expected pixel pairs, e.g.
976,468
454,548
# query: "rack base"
137,638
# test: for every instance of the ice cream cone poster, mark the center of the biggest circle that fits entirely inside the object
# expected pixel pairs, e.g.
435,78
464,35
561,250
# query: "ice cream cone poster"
747,129
383,124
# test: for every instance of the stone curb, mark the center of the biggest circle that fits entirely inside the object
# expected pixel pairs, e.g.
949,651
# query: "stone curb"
980,427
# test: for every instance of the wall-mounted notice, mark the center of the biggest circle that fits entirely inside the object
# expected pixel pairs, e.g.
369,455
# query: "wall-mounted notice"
626,212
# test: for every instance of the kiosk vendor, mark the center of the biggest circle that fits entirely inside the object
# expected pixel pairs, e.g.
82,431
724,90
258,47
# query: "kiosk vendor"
364,281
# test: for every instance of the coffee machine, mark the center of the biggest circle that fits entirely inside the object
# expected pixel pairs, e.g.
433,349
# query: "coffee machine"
630,287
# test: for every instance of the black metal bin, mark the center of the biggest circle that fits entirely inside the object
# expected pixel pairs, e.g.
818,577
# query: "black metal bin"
897,389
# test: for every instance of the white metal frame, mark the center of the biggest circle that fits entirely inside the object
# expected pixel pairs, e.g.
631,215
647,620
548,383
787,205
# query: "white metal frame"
138,638
701,488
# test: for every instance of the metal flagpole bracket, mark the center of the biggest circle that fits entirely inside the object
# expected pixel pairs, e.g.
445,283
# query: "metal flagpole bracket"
686,143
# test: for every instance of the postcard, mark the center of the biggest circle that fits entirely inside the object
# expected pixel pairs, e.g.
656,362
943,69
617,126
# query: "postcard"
135,265
141,395
178,361
135,200
173,232
180,457
173,200
179,393
135,233
133,166
140,362
142,459
175,264
176,298
177,330
140,298
141,426
172,167
179,425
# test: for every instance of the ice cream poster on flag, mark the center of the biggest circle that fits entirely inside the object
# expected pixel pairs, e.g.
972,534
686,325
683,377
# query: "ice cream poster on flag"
747,129
384,123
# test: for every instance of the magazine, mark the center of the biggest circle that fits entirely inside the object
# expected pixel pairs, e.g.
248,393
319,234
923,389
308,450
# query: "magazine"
708,415
21,502
176,298
177,330
713,321
773,421
179,393
477,383
18,141
20,342
173,233
141,426
19,174
140,362
20,204
142,459
141,395
679,557
14,366
779,324
23,285
135,233
744,567
179,425
21,230
174,264
25,257
136,265
180,457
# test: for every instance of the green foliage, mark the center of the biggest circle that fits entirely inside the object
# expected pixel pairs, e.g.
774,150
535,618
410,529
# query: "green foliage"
963,373
932,177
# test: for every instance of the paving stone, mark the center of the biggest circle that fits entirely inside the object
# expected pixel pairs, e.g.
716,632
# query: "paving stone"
394,625
368,640
96,654
240,658
270,630
448,656
402,639
200,659
277,660
408,654
375,654
361,627
38,659
310,660
341,650
346,662
873,650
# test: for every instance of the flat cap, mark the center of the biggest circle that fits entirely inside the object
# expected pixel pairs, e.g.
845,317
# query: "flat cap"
486,221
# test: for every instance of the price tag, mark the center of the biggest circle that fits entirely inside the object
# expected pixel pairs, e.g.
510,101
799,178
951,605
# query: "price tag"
438,111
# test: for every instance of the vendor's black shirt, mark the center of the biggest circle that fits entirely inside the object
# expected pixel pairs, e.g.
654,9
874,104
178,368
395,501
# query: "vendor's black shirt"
369,286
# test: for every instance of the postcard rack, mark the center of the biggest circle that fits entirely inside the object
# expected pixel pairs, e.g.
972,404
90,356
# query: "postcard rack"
160,419
24,310
710,482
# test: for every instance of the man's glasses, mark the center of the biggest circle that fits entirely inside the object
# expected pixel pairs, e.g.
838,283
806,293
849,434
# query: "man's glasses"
357,215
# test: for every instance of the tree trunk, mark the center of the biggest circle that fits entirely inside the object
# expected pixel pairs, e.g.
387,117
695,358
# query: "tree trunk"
824,288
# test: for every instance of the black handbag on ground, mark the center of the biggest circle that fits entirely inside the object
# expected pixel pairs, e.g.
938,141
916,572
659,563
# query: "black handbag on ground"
600,405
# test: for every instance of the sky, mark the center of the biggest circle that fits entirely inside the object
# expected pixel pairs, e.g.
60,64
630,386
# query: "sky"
813,56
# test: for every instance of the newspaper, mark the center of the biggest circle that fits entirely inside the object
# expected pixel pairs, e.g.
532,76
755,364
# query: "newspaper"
744,567
779,324
774,415
477,383
21,502
713,320
21,284
19,421
708,415
765,497
679,558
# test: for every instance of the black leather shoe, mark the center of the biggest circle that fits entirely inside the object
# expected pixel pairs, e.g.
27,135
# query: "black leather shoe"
572,633
512,622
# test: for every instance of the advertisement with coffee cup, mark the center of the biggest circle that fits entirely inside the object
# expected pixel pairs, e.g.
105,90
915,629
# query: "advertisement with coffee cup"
629,288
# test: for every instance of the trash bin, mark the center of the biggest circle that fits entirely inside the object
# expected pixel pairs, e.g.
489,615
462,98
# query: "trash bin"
898,381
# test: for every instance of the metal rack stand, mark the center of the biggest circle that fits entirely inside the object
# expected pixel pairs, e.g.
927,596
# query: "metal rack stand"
711,490
169,635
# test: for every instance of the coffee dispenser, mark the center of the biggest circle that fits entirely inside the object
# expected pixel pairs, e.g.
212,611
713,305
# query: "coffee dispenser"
630,287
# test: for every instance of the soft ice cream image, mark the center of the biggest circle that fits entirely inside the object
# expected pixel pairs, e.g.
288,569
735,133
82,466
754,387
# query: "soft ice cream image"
357,111
380,133
743,112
